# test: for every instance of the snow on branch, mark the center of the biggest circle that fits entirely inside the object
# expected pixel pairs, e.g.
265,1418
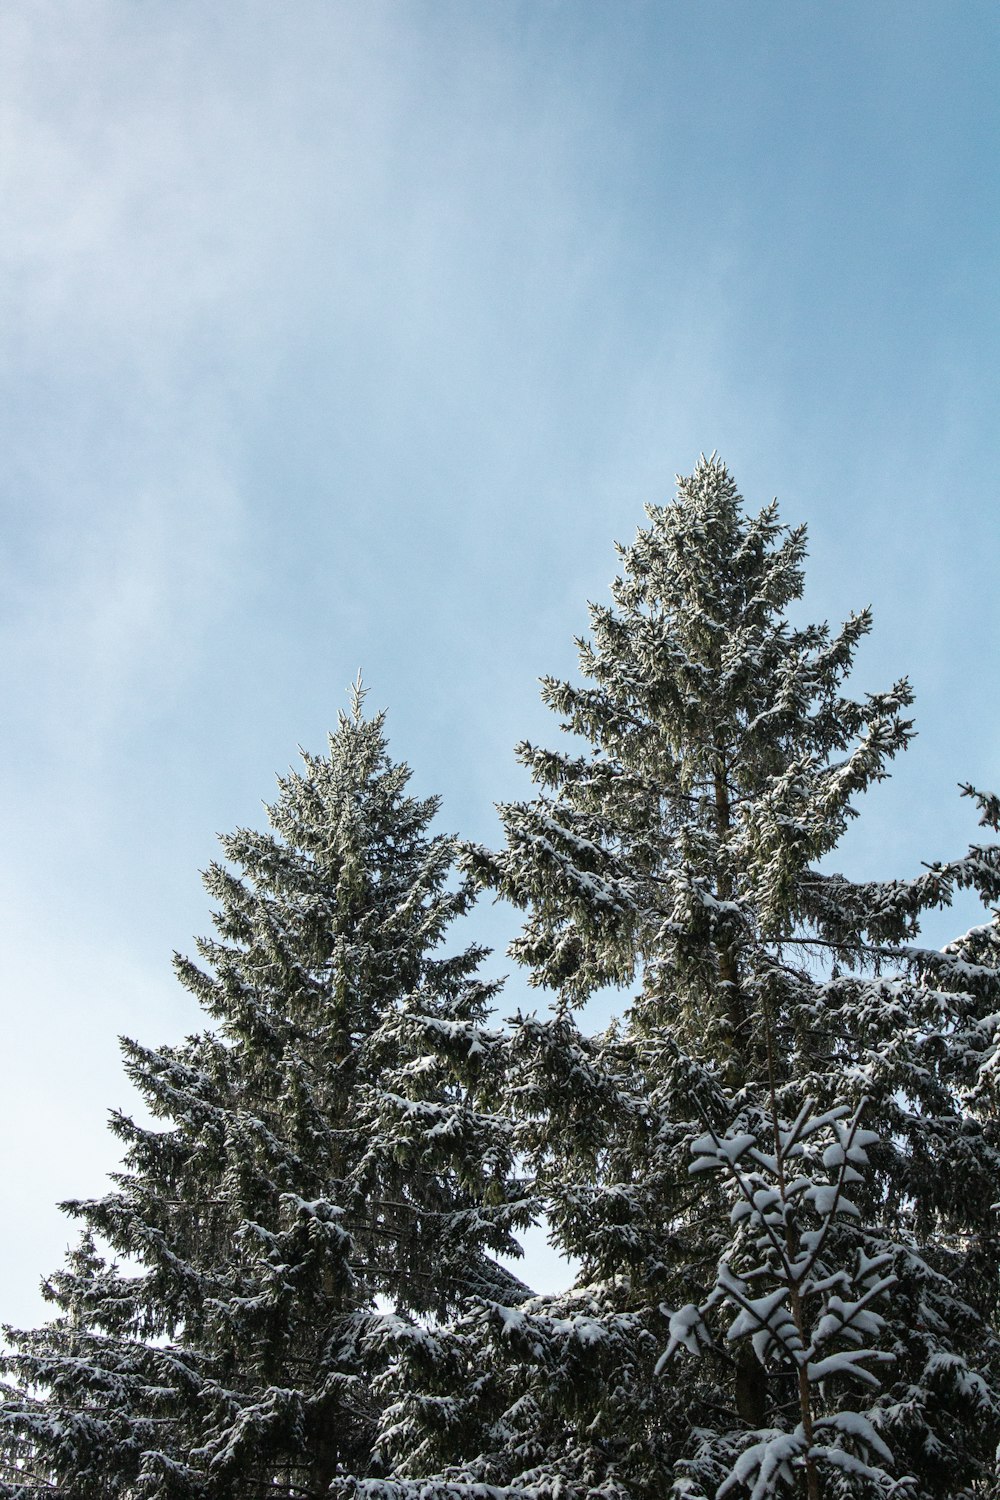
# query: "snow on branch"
794,1282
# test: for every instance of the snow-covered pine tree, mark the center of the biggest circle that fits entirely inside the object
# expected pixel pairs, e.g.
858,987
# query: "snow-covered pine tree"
682,842
318,1169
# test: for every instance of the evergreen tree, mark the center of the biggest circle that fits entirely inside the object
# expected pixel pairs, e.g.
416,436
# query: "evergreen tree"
318,1171
844,1320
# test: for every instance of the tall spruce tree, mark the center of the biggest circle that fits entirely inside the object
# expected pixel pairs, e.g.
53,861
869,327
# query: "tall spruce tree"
318,1170
779,1172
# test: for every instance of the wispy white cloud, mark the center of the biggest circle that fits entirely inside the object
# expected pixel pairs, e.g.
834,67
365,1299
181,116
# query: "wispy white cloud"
158,164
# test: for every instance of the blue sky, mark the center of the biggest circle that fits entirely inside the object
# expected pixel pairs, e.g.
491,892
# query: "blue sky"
340,335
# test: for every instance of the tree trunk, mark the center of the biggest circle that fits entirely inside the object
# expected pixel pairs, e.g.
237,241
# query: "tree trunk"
735,1007
751,1387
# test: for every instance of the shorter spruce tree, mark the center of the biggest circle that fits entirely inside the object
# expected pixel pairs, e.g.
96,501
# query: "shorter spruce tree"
317,1170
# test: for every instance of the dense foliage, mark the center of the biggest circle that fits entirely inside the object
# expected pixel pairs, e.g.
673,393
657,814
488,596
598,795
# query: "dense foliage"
319,1170
681,845
778,1173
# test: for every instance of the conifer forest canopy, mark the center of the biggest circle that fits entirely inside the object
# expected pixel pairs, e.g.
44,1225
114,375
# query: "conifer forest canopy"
777,1172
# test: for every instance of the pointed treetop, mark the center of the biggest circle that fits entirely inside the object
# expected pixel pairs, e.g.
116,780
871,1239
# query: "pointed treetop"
357,693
